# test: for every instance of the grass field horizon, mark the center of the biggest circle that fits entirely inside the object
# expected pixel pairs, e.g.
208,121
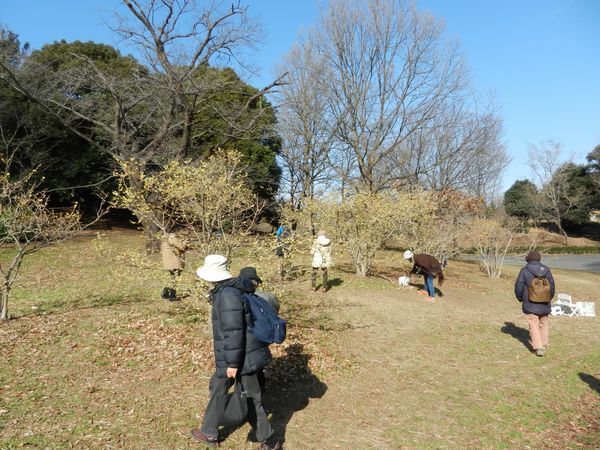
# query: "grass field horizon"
93,359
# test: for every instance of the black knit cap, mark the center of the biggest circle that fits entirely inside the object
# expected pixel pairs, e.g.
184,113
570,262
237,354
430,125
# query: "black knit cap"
533,256
250,273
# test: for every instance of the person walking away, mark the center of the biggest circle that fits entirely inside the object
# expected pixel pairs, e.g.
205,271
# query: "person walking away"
172,250
238,354
321,259
251,274
429,267
534,288
282,237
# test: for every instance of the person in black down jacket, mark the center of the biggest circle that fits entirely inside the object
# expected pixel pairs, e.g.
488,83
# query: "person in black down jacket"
536,313
238,354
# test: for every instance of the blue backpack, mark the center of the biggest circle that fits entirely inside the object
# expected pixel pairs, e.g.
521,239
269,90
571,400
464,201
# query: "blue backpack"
266,325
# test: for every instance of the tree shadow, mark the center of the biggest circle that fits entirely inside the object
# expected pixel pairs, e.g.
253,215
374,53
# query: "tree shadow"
345,268
591,380
519,333
590,230
293,272
290,386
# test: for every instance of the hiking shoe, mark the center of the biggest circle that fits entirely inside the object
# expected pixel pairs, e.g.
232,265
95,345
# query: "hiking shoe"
210,441
422,292
265,446
539,352
429,299
165,294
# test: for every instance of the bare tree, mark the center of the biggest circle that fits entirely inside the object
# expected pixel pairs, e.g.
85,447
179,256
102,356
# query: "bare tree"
152,113
388,74
463,151
492,241
553,199
179,40
303,125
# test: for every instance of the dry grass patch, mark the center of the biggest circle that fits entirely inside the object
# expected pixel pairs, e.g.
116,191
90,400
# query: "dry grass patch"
103,362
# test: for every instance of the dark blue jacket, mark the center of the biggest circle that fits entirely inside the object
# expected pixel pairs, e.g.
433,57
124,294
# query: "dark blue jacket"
234,345
526,275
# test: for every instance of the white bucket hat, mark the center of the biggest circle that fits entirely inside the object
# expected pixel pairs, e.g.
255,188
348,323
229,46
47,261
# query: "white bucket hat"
408,254
214,269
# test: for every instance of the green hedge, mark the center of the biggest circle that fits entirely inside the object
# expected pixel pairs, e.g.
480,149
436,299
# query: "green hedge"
561,250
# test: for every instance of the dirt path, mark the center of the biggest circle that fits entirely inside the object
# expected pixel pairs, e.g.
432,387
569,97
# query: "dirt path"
430,375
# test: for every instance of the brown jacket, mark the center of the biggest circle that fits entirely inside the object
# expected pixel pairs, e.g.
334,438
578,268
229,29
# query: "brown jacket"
172,250
426,264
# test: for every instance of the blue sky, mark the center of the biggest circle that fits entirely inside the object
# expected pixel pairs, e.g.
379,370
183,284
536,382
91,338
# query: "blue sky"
540,58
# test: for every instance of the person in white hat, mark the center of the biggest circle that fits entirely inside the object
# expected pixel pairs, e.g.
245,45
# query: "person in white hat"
321,259
238,354
429,267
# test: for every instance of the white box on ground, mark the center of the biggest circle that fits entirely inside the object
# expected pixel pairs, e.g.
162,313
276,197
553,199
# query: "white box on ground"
586,309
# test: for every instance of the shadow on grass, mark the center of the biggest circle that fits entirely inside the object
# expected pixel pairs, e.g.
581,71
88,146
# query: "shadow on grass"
290,386
421,287
293,272
185,315
111,300
345,268
591,230
335,282
68,305
591,380
519,333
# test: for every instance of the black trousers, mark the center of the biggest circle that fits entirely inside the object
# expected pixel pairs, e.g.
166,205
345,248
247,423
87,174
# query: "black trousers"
257,417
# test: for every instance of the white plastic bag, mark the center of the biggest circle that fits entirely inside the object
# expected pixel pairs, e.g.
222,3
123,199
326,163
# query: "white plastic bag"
587,309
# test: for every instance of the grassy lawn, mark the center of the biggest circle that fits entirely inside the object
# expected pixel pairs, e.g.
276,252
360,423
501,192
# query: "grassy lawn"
95,359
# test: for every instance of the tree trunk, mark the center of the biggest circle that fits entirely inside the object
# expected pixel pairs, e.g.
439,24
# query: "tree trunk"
152,241
4,314
562,232
362,268
151,229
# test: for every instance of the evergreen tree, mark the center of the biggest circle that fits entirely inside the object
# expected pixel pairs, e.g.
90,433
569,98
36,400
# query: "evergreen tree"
519,200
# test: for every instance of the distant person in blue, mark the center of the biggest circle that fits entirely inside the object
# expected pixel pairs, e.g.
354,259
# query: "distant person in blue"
281,235
282,246
536,300
280,231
